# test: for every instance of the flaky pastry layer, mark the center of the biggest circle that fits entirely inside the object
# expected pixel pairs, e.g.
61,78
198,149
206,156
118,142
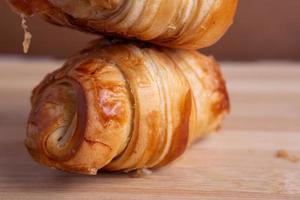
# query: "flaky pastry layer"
187,24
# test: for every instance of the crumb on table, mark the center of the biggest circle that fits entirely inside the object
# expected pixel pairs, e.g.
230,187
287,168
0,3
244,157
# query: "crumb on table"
284,154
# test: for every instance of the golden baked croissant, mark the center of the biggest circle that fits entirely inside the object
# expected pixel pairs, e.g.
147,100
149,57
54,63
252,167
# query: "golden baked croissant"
123,106
188,24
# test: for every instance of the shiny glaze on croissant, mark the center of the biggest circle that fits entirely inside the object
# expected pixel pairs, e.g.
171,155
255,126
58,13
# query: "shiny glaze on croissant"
188,24
123,106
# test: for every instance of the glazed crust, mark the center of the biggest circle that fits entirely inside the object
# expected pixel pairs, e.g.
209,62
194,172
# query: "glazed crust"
186,24
123,106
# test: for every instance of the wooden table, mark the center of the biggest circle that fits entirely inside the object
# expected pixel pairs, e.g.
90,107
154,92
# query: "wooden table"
237,163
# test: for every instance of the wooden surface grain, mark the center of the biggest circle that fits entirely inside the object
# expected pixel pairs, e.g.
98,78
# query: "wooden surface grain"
239,162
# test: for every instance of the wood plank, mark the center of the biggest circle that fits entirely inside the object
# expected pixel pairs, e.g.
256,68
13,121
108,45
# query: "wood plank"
239,162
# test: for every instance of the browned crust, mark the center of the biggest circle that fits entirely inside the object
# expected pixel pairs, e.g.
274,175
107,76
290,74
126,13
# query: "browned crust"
219,20
29,7
220,86
181,133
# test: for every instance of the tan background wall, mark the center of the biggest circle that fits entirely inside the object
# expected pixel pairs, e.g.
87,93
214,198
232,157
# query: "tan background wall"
264,29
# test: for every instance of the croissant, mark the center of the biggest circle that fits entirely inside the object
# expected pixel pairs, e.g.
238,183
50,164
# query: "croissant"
123,106
188,24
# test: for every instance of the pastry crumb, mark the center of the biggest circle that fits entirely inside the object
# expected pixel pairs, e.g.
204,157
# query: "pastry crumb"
172,26
27,35
140,173
284,154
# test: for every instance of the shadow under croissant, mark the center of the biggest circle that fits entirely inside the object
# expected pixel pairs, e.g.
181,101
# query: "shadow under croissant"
28,176
22,175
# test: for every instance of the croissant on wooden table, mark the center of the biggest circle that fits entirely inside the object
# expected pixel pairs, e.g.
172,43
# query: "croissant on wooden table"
187,24
123,106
